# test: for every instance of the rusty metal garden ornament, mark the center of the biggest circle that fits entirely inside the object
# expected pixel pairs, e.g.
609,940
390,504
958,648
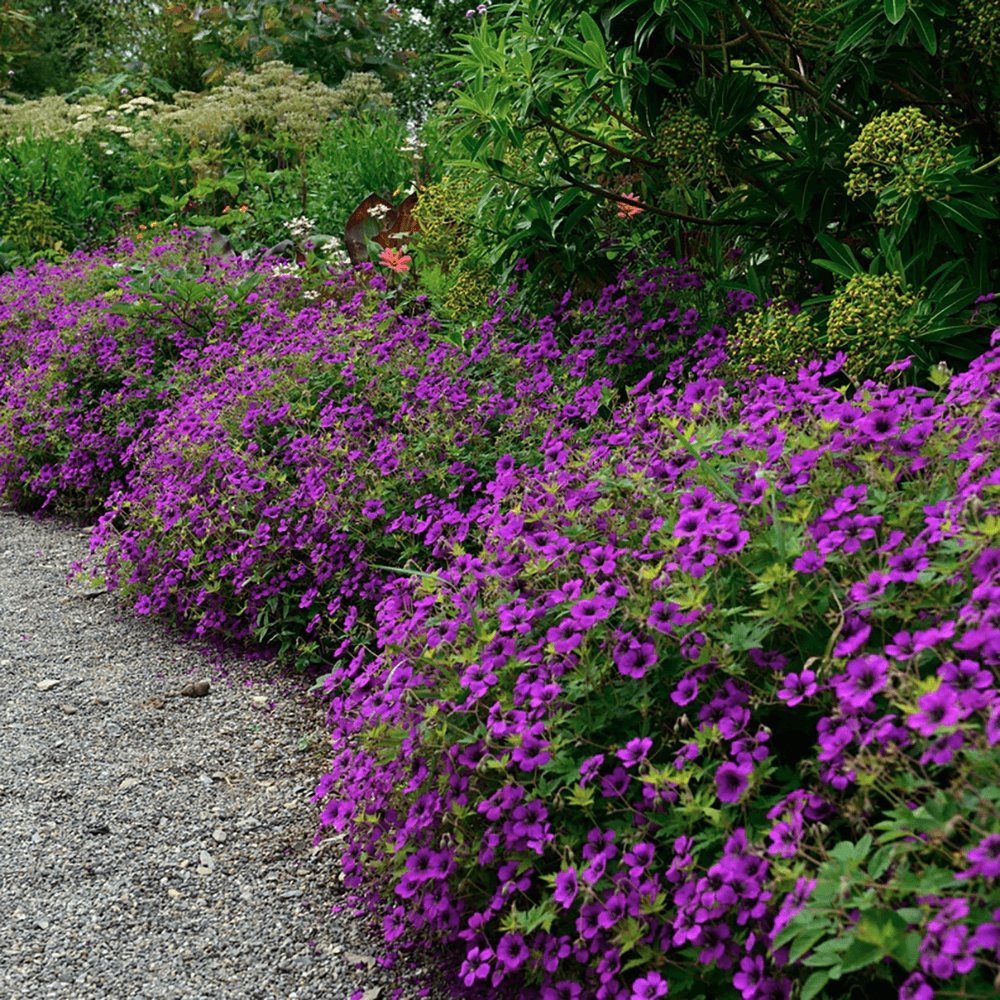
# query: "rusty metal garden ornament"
378,220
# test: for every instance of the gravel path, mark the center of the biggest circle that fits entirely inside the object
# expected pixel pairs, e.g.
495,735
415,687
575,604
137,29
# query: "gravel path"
155,845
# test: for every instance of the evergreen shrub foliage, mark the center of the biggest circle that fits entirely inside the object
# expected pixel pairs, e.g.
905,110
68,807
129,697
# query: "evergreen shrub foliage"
799,134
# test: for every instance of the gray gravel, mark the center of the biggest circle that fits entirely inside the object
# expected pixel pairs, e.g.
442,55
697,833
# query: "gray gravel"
155,845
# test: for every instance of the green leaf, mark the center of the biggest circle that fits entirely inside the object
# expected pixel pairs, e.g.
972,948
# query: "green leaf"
959,212
591,32
881,927
859,954
841,258
807,939
924,27
858,31
880,861
895,10
814,985
907,951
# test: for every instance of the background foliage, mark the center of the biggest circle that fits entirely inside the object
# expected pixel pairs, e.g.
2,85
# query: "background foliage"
815,141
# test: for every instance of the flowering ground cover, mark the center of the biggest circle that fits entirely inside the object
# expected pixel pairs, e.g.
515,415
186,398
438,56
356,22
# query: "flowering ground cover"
642,676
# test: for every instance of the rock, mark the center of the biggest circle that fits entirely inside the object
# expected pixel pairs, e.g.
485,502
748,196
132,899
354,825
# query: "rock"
69,709
196,689
355,958
219,835
47,685
206,860
127,783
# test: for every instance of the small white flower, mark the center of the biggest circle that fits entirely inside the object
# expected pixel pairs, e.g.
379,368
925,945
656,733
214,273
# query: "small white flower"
300,227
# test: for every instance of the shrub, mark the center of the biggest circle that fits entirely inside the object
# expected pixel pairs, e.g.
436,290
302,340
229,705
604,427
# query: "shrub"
328,430
92,348
639,678
53,196
713,706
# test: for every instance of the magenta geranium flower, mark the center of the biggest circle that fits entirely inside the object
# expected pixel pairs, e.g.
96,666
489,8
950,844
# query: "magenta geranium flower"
566,888
936,709
731,781
984,859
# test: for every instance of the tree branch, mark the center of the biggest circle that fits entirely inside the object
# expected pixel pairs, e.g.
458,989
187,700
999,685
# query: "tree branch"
590,140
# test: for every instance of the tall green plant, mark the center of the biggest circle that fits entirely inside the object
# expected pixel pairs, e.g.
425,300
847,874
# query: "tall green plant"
754,125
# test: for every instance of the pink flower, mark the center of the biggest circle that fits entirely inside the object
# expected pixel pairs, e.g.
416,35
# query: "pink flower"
629,207
395,260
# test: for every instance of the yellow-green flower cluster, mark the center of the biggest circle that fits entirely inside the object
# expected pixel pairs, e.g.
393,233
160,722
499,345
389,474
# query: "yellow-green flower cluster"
898,149
775,338
446,212
688,147
980,20
466,298
814,22
359,92
873,319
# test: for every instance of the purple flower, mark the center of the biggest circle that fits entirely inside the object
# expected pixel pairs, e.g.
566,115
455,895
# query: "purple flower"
649,987
476,965
590,767
864,677
372,509
731,782
853,635
905,566
868,589
565,888
795,688
809,562
591,610
633,657
565,637
984,859
915,987
880,423
635,751
686,690
937,709
512,952
615,784
749,977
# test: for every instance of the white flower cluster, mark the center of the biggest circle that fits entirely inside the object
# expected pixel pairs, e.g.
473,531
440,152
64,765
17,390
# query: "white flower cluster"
300,227
335,252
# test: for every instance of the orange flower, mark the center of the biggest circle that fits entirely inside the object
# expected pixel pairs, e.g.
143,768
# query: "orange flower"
225,211
244,208
629,207
395,260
